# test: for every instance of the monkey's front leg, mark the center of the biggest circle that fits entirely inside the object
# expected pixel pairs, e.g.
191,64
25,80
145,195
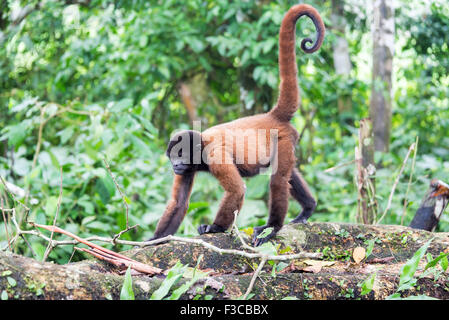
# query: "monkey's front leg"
230,180
177,206
278,209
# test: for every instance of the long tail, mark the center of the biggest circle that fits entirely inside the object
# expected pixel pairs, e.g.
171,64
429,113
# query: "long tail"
288,100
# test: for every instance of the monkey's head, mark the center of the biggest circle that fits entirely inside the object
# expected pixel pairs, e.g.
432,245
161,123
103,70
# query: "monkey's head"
184,151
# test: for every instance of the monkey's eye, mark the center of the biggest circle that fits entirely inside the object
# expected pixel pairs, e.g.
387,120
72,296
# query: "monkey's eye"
180,153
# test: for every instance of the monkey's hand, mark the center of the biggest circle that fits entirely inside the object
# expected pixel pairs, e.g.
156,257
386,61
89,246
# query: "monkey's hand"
263,234
213,228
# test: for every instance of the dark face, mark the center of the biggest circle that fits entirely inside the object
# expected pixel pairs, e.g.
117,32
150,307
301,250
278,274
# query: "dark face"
184,152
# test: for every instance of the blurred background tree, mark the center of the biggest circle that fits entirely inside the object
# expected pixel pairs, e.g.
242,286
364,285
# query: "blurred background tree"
81,81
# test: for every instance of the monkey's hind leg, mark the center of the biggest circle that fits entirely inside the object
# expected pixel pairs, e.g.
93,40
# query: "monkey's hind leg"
279,186
300,191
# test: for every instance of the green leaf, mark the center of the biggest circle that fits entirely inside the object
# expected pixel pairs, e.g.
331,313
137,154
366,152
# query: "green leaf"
17,133
409,269
419,297
127,292
266,232
4,295
196,45
435,261
394,296
12,282
50,206
197,275
6,273
267,248
444,263
122,105
367,285
173,276
369,248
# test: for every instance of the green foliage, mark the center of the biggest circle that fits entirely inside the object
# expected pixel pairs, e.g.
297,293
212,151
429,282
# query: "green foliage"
173,276
127,292
83,83
367,285
407,279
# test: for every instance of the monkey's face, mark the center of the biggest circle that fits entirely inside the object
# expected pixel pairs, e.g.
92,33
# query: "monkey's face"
184,152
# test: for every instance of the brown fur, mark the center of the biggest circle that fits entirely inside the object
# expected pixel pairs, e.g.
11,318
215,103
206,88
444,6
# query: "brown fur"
285,180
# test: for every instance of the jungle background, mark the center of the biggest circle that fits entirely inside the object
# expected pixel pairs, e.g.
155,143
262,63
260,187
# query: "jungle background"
83,81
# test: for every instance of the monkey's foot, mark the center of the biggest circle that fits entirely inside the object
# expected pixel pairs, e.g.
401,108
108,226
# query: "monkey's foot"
212,228
301,218
262,234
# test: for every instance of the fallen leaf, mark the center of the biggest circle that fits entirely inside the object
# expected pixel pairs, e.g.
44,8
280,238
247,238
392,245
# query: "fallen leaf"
314,269
358,254
315,266
320,262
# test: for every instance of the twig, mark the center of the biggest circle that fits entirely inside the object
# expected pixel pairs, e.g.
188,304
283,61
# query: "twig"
249,255
390,198
42,123
412,170
6,222
118,235
236,229
105,253
201,242
339,166
50,243
255,275
12,195
29,245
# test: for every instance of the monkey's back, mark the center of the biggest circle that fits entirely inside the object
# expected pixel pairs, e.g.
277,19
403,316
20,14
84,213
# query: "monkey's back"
250,142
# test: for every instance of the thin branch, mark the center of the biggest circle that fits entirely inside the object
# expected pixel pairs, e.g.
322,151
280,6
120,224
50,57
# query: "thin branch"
412,170
105,253
255,275
5,222
50,243
390,198
12,195
236,229
339,166
118,235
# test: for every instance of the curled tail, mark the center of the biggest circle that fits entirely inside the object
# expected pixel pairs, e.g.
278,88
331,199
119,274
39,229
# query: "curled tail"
288,100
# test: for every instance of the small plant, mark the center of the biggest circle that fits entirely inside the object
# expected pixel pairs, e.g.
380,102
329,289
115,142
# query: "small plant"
174,275
127,292
367,285
407,279
342,233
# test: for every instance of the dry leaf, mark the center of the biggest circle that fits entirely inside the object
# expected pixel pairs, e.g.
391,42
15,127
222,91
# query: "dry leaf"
319,262
314,269
315,266
358,254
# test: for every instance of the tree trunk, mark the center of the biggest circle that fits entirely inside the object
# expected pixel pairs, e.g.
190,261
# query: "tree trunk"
339,278
383,50
342,62
189,102
366,170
